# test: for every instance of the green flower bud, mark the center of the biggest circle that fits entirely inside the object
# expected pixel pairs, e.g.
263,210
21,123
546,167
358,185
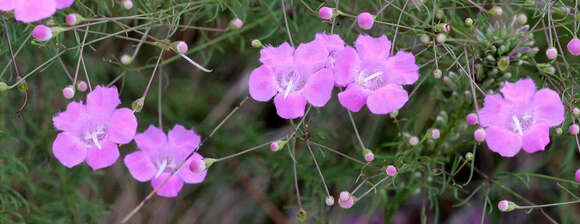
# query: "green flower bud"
137,105
301,215
468,21
4,87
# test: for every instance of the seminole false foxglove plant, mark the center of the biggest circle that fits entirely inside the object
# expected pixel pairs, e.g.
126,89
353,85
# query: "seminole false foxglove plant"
293,77
521,118
372,76
160,155
29,11
93,131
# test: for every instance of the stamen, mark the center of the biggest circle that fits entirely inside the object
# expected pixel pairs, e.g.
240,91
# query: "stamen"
288,89
518,125
96,140
370,77
161,168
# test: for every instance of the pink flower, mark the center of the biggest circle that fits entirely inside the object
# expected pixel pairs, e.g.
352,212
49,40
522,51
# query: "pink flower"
372,76
293,77
92,132
333,44
29,11
159,156
520,118
365,20
574,46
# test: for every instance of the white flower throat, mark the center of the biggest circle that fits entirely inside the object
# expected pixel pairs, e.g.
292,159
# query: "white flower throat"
93,137
521,123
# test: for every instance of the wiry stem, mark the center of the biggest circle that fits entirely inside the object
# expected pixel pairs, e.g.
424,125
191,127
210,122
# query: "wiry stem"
317,167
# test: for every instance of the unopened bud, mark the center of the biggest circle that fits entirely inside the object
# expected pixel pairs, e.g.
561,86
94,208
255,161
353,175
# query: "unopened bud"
437,73
574,129
468,21
329,200
180,46
365,21
127,4
137,105
413,140
301,215
277,145
257,43
551,53
345,200
197,165
503,63
506,206
471,119
496,11
441,38
68,92
126,59
425,39
559,131
235,24
73,19
522,19
442,27
575,111
479,135
439,14
391,170
435,133
368,154
469,156
326,13
4,87
82,86
42,33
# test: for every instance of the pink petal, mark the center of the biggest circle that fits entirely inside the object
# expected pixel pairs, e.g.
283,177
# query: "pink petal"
102,102
61,4
72,119
189,176
140,166
123,126
171,188
401,69
519,91
346,66
536,138
548,107
262,84
387,99
104,157
291,107
277,56
495,111
318,88
152,140
354,97
68,149
371,47
34,10
503,141
332,42
310,57
183,138
7,5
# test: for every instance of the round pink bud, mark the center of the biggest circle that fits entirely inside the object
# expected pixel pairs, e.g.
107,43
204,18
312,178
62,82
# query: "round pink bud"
197,165
274,147
551,53
82,86
345,200
413,141
369,156
496,11
68,92
42,33
344,196
325,13
503,205
126,59
574,46
127,4
578,175
329,200
365,21
236,23
471,119
435,133
574,129
391,170
479,135
575,111
71,19
181,47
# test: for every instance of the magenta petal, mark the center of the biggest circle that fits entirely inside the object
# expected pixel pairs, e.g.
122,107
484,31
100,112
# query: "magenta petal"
503,141
140,166
370,47
277,56
68,149
548,107
34,10
72,119
354,97
346,66
494,111
401,69
171,188
387,99
262,84
536,138
318,88
7,5
310,57
332,42
183,138
123,126
104,157
519,91
189,176
102,102
61,4
291,107
151,140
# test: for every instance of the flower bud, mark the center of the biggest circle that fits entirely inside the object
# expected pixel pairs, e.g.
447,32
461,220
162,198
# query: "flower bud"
126,59
368,154
479,135
506,206
471,119
127,4
344,196
469,156
137,105
435,133
574,129
468,21
345,200
257,43
22,86
73,19
496,11
365,21
441,38
235,24
394,114
425,39
391,170
442,27
197,165
551,53
574,46
326,13
82,86
42,33
4,87
577,175
439,14
329,200
504,63
522,19
437,73
68,92
180,46
413,141
575,111
301,216
277,145
558,131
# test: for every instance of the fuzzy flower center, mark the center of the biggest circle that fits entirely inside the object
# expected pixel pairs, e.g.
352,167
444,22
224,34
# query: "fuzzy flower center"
370,79
94,136
521,122
290,82
164,165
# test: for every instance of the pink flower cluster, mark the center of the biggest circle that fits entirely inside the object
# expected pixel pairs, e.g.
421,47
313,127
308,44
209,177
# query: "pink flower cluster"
29,11
309,73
